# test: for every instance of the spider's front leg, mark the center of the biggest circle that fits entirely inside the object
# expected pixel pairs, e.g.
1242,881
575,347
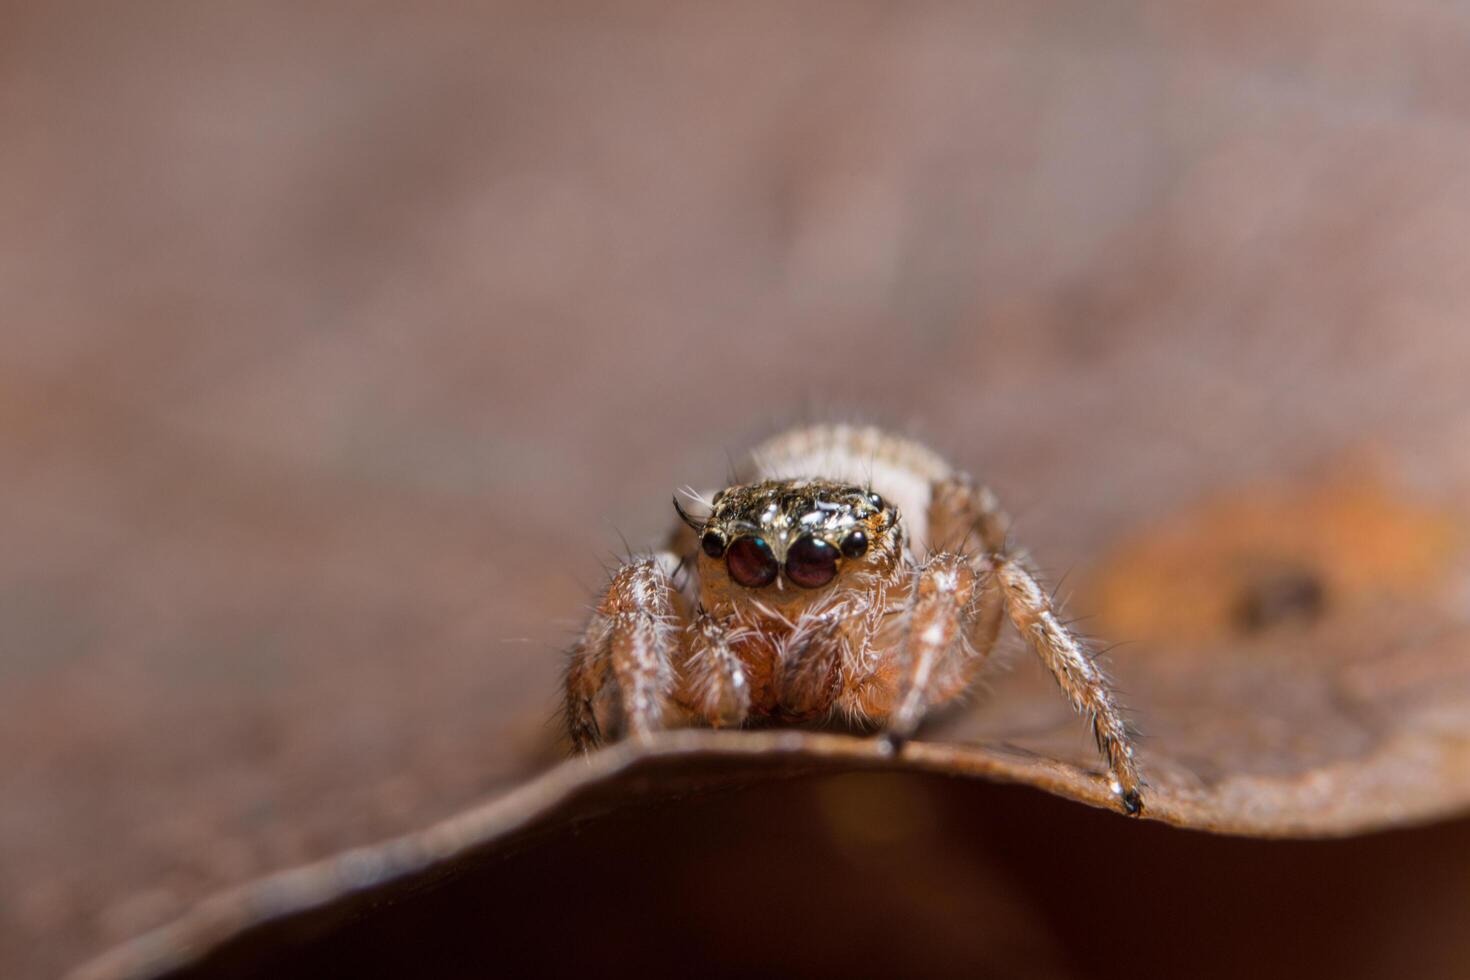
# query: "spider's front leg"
632,640
934,654
960,509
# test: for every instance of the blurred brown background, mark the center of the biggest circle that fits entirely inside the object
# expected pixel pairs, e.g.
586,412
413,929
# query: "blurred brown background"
341,344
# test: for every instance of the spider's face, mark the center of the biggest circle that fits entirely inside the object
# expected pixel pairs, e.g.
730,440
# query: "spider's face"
796,534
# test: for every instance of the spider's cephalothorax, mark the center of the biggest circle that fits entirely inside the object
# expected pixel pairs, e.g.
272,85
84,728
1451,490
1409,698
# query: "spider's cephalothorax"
795,534
797,593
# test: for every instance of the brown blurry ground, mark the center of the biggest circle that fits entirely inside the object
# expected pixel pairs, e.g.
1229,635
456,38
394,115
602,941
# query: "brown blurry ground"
341,345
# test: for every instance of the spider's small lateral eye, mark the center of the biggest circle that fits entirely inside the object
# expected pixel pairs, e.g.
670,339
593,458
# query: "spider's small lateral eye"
713,543
750,562
877,501
811,562
855,545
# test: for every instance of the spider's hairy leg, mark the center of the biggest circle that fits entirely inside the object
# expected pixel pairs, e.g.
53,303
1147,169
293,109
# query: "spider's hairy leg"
587,674
633,638
1031,612
961,511
935,648
958,510
717,686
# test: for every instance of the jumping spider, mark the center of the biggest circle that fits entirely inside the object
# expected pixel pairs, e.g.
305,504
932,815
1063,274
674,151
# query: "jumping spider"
800,595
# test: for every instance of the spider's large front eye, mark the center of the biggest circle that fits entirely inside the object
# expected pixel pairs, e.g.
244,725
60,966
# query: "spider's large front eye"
751,563
811,562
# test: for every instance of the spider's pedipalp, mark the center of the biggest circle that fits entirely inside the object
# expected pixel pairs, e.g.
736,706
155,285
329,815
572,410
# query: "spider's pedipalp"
719,690
810,665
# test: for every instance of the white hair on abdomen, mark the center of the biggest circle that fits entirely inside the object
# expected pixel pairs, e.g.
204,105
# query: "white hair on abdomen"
901,470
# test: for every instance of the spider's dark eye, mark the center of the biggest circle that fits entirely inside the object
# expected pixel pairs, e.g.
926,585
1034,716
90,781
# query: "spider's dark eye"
713,543
811,562
877,501
855,545
751,563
